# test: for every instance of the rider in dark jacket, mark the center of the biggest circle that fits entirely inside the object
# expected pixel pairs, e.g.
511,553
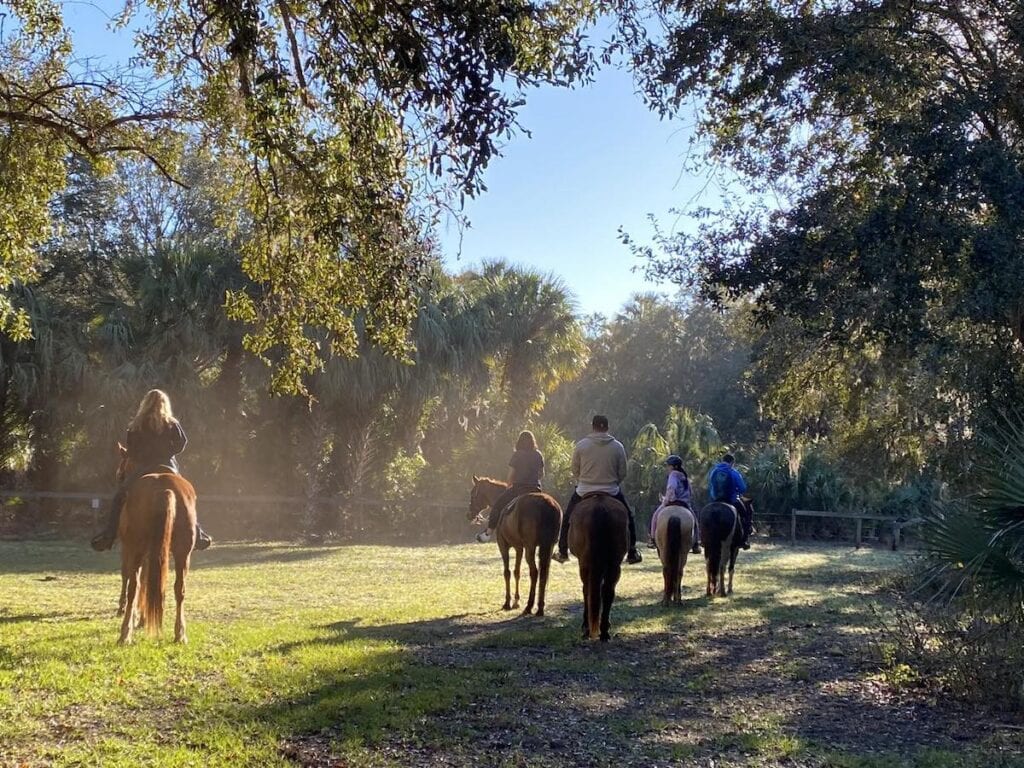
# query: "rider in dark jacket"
526,471
154,438
726,484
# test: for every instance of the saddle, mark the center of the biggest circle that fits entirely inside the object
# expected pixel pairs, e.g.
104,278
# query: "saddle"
591,494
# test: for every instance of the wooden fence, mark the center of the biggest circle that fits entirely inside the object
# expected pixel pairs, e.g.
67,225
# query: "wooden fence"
898,523
246,516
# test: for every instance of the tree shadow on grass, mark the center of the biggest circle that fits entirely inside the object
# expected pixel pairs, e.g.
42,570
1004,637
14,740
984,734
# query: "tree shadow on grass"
474,689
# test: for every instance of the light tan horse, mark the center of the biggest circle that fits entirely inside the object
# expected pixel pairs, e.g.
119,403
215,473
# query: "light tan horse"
158,519
599,537
529,526
674,536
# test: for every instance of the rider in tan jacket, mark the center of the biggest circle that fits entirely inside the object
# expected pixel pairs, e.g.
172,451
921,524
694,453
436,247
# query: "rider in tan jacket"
598,466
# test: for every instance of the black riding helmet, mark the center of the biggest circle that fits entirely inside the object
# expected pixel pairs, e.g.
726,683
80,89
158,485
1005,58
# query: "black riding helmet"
674,461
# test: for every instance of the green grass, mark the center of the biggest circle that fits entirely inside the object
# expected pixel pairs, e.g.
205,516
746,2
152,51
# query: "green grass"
399,656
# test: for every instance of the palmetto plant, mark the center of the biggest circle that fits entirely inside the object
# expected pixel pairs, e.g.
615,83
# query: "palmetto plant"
977,544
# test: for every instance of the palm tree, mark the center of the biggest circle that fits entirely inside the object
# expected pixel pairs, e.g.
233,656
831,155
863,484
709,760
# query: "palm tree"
977,544
535,339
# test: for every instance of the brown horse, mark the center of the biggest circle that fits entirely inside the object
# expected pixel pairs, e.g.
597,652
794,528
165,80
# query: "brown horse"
158,518
674,537
721,532
599,537
529,525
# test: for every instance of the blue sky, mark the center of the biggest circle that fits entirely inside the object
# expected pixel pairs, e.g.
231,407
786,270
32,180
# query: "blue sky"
597,159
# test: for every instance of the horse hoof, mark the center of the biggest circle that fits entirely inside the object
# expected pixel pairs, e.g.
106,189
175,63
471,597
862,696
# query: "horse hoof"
183,640
527,611
605,637
506,607
540,612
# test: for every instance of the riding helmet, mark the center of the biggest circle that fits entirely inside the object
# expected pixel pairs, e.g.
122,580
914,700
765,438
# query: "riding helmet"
674,461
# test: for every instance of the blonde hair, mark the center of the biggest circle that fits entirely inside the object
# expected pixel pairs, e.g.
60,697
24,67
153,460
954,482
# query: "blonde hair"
154,412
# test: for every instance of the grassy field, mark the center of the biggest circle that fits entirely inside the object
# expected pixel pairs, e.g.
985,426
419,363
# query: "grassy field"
383,656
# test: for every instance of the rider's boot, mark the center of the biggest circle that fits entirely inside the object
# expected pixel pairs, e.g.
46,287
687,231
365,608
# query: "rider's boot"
562,555
105,538
103,541
484,536
203,540
633,557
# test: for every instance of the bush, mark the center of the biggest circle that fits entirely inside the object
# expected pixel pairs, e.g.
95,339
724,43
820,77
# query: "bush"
954,651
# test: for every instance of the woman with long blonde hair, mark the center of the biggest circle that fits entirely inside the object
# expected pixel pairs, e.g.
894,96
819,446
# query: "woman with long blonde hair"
526,470
154,438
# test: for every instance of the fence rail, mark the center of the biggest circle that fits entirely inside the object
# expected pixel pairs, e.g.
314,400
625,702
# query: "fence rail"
232,516
898,523
230,499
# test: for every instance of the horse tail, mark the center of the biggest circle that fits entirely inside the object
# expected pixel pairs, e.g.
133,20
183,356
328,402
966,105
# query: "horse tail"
674,553
154,566
599,556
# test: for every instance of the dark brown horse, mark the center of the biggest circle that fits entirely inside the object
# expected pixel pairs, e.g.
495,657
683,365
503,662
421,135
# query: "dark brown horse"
530,525
721,532
158,519
599,537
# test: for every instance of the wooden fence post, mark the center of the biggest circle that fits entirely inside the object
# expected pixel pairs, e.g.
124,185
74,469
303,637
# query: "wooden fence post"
792,528
860,525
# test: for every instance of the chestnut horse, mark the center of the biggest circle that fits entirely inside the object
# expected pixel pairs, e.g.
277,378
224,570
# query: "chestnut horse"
674,537
599,537
158,518
530,525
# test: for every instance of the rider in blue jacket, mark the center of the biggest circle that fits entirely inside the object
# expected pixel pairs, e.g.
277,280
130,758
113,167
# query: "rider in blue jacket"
726,484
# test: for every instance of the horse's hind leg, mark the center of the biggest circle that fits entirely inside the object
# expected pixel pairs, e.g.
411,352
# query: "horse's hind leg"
508,591
732,566
531,562
723,563
585,578
709,571
544,569
677,588
128,622
180,572
611,578
519,563
122,601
